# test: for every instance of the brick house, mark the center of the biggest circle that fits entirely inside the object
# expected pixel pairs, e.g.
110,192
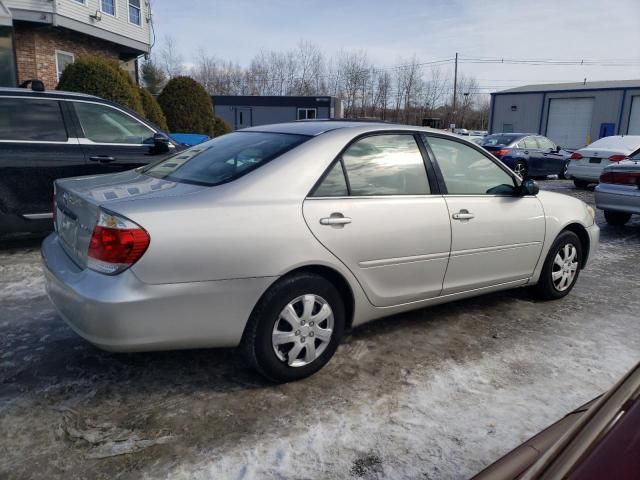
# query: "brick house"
39,38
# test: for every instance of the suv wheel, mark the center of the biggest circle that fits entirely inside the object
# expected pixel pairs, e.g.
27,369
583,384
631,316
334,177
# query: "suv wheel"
295,328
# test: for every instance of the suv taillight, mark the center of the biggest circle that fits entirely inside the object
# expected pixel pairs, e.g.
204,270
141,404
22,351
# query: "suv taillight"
116,244
576,156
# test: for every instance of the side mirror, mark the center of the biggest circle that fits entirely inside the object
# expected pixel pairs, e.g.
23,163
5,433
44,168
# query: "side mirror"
528,187
558,148
160,143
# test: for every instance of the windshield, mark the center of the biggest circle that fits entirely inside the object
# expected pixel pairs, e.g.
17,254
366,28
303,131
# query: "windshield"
495,140
224,158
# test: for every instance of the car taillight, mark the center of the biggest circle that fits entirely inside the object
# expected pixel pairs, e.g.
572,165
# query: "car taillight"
576,156
618,158
116,244
621,178
501,153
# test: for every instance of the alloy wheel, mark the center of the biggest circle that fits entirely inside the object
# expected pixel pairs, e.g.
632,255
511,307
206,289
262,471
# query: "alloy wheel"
303,330
565,267
521,170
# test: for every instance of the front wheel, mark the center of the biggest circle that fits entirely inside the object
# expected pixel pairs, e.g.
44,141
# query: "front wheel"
616,219
563,173
561,267
580,183
295,328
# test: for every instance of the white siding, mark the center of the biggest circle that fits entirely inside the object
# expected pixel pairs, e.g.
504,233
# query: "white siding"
37,5
77,11
119,24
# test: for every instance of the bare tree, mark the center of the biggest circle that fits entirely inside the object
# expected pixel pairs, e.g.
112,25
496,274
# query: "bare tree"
171,61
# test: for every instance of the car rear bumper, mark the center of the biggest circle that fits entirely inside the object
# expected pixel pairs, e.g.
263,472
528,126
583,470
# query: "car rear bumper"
618,198
584,172
121,313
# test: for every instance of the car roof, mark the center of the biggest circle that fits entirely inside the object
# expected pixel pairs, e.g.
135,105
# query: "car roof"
27,92
318,127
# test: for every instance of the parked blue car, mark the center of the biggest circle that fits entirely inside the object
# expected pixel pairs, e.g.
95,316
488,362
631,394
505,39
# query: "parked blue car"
528,154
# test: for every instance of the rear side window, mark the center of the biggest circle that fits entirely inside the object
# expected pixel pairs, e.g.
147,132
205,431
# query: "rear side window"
35,120
529,143
334,184
103,124
498,140
224,158
389,164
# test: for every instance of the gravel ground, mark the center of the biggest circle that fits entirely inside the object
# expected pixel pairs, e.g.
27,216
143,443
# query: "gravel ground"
436,393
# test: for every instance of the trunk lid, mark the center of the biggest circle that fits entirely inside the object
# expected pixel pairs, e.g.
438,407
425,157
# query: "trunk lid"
78,202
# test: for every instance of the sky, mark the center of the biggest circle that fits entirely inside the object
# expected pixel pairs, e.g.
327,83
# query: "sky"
431,29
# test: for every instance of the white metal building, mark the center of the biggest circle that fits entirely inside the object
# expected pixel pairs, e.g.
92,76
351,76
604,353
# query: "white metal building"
571,114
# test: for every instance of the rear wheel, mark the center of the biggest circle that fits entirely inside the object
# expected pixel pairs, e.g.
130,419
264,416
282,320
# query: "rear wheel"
617,219
563,173
561,267
521,169
295,328
580,183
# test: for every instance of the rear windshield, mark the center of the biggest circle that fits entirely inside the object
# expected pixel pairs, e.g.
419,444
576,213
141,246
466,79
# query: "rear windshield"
499,140
224,158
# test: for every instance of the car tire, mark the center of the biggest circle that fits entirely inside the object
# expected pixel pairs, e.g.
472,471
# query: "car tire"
521,169
561,267
563,173
616,219
272,317
580,183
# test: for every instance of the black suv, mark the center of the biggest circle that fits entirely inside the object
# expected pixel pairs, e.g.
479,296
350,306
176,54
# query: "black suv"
50,135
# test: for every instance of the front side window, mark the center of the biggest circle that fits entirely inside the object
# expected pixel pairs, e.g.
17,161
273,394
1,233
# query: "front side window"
466,171
103,124
545,143
386,164
108,6
224,158
34,120
134,12
63,59
306,114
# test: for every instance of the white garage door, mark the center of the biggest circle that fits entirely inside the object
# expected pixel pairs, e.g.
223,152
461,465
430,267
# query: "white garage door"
634,119
569,123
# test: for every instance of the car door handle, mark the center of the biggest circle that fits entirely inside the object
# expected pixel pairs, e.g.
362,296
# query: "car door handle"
462,215
335,219
102,159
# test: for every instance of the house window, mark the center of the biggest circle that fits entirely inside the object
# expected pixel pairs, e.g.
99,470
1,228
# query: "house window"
134,12
306,114
63,59
108,7
80,1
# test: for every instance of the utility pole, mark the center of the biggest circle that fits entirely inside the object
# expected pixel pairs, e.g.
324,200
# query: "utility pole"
455,88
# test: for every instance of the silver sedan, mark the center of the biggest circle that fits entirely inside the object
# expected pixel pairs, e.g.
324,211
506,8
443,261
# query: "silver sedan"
278,238
618,192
